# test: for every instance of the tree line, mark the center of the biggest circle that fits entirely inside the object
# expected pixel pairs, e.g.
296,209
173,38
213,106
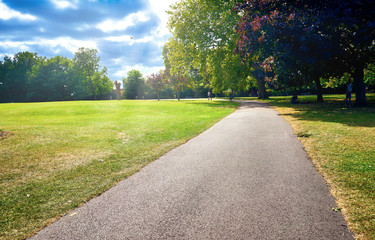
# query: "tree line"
28,77
274,46
157,86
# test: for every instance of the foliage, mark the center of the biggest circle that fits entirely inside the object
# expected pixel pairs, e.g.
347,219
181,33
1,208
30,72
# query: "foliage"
14,73
155,82
226,71
102,84
6,88
308,40
336,82
369,77
176,73
86,65
134,85
203,43
27,77
48,80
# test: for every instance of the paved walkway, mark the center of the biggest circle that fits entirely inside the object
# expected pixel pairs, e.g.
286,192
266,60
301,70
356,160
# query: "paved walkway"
247,177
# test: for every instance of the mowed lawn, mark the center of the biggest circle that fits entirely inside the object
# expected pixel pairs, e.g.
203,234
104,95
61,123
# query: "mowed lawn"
341,143
55,156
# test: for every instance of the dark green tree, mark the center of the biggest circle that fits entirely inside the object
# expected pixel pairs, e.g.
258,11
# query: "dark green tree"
85,65
49,80
134,85
6,67
102,83
14,76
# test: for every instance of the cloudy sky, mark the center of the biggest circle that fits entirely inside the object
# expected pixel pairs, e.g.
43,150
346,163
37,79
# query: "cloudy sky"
129,34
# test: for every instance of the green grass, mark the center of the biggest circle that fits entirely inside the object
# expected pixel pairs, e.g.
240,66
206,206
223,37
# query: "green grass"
341,143
55,156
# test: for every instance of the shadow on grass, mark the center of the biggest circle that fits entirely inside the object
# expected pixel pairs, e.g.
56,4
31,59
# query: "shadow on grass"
332,110
215,104
254,104
235,103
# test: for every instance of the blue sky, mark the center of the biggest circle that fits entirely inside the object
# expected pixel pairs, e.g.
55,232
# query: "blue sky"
129,34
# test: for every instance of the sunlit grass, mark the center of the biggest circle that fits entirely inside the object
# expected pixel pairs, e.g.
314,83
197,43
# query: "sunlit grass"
341,143
55,156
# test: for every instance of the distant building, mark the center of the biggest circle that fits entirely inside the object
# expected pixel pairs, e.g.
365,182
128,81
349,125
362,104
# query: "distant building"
118,91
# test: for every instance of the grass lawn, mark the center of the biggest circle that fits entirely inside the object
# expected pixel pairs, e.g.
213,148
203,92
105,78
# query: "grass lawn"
55,156
341,143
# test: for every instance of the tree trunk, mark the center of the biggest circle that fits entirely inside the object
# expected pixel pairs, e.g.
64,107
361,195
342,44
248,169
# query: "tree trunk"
319,91
92,88
359,87
259,75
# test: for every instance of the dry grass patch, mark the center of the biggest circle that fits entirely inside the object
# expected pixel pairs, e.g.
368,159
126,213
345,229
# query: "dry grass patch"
4,134
341,143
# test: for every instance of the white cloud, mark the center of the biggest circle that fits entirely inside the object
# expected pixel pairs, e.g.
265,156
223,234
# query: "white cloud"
110,25
129,39
160,8
2,55
72,45
146,39
6,13
117,60
122,38
83,27
63,4
18,46
158,36
146,71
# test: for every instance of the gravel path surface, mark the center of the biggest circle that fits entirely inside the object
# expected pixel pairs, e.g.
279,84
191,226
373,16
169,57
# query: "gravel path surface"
247,177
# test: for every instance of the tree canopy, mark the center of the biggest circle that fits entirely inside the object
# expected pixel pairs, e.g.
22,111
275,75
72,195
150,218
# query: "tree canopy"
203,43
307,40
134,85
28,77
287,44
155,81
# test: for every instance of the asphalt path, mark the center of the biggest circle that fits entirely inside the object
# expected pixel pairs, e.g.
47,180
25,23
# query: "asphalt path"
247,177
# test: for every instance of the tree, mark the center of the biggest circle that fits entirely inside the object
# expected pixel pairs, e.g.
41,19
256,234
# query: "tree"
86,65
14,76
155,81
226,71
203,33
176,68
133,85
5,79
27,77
48,80
369,78
311,39
103,85
274,47
354,30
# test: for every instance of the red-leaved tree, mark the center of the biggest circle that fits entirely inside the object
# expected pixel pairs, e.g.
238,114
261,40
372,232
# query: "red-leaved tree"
307,40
